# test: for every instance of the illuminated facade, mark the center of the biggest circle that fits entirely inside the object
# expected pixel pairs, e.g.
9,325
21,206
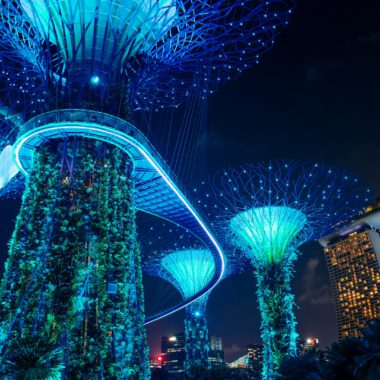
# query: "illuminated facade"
255,359
216,353
240,362
173,352
307,344
250,364
353,257
267,211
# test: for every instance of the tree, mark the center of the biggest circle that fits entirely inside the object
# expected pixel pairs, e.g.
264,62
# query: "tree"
33,360
368,364
305,367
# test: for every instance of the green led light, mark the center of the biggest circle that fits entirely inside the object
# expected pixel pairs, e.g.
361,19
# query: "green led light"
138,24
268,231
191,270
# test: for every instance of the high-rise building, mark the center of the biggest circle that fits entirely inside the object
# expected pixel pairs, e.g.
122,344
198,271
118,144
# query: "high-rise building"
173,352
353,256
216,353
255,358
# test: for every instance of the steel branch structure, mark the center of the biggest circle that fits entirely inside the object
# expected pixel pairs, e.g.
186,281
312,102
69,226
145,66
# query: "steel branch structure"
156,52
268,210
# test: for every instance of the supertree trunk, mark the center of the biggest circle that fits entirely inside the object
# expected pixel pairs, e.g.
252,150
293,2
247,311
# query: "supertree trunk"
278,323
73,276
196,336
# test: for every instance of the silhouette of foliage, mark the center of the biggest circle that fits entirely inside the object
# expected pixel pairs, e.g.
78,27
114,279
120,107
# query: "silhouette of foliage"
351,359
33,360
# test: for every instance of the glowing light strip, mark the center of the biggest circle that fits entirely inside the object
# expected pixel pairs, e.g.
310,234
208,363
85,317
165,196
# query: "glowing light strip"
111,132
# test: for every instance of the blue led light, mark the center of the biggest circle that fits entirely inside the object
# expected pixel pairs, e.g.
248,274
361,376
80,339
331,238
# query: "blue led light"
133,41
95,80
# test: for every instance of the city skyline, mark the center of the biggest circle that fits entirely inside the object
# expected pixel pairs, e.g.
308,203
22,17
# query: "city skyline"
177,341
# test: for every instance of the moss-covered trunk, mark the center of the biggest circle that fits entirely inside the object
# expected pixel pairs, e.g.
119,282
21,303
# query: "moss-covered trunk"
73,276
276,303
196,335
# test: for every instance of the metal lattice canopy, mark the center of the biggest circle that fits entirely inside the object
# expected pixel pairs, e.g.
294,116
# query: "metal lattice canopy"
190,270
270,209
176,255
154,52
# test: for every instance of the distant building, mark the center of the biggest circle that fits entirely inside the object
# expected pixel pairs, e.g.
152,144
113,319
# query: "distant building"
240,362
156,362
311,343
173,352
216,343
255,358
216,353
307,344
251,362
353,256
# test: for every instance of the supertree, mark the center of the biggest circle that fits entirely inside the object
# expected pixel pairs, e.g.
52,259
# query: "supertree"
268,210
176,256
189,270
71,73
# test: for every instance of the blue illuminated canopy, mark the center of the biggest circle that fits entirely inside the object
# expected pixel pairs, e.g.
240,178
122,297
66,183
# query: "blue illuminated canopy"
156,52
189,270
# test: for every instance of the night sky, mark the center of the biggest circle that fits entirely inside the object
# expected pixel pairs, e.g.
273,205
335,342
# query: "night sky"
315,96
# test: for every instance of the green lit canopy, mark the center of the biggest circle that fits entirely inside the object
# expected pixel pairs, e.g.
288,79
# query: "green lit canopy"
268,232
189,270
101,30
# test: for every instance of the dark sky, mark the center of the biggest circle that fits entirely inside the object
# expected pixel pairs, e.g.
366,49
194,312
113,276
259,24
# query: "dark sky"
315,96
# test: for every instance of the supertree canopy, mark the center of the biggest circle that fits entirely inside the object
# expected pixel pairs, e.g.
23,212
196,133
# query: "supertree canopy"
269,231
146,54
268,210
189,269
121,56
